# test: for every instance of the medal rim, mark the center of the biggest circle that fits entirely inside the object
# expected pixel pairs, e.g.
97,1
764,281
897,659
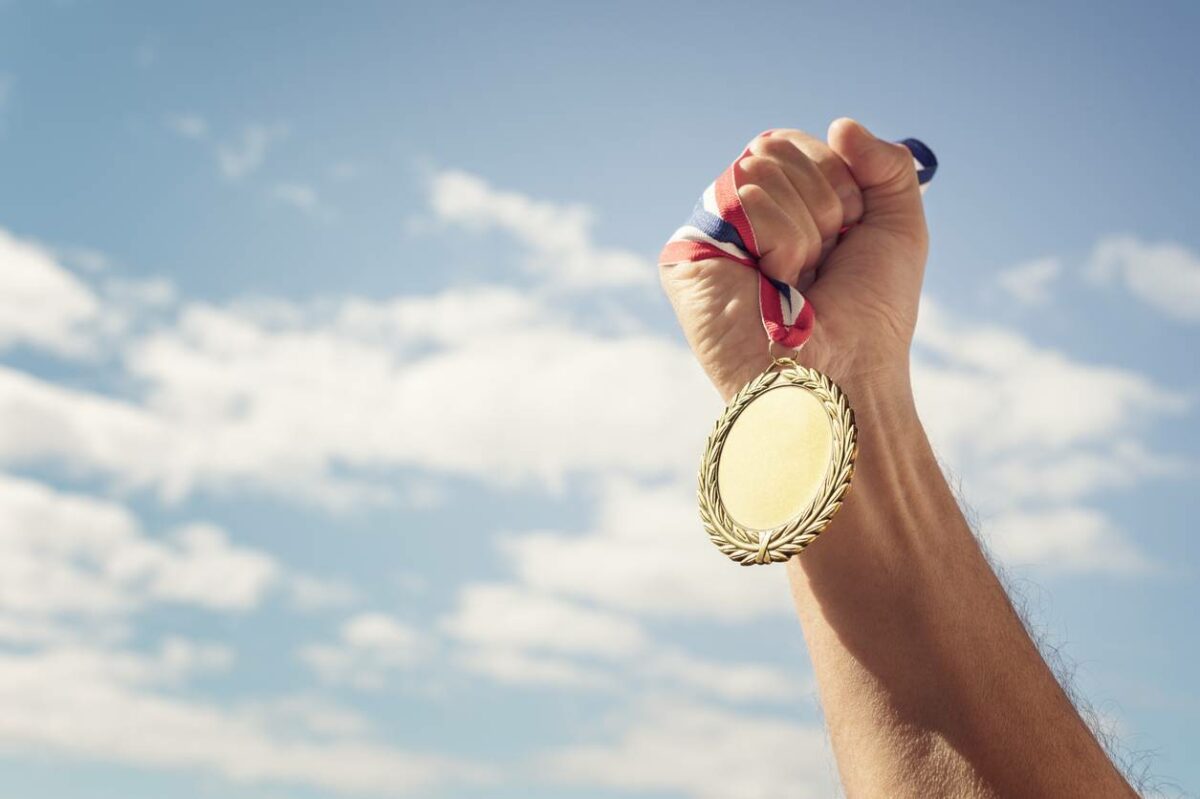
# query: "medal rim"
749,546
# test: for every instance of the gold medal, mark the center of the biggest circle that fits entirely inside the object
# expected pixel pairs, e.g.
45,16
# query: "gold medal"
777,465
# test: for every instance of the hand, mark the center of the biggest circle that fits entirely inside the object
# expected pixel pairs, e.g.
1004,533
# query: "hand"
799,192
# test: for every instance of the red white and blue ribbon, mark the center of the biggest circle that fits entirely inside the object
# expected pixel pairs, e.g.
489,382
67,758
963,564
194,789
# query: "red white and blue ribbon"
720,228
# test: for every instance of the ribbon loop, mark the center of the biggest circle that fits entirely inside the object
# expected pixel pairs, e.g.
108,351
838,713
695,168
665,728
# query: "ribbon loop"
720,228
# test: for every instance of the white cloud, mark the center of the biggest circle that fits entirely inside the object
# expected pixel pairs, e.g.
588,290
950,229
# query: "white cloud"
512,617
647,554
345,170
302,197
227,389
308,592
989,390
514,666
514,634
313,714
1165,276
91,705
65,553
729,681
1067,538
557,238
45,306
41,303
1080,473
700,752
1029,283
1034,432
85,431
240,157
189,126
370,647
202,567
74,568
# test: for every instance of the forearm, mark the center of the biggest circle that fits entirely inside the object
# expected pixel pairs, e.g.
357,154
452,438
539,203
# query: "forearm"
930,683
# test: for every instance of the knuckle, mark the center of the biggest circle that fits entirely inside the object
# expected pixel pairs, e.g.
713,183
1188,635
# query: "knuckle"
802,243
793,133
902,159
779,148
828,216
751,194
811,254
758,169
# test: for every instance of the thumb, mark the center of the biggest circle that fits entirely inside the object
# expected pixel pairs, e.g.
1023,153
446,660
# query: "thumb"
885,174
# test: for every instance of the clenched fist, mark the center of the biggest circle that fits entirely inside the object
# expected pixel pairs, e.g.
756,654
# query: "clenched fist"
799,193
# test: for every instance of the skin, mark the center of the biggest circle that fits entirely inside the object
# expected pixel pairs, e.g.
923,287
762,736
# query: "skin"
930,683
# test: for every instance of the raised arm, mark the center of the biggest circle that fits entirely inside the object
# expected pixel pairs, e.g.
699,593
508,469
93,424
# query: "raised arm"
929,682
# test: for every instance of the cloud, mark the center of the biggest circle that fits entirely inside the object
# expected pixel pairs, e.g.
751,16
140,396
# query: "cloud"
244,155
702,752
345,170
297,195
188,126
98,705
520,667
202,567
1164,276
73,568
743,682
516,634
375,386
1071,538
303,197
42,304
312,593
985,389
512,617
64,553
315,715
1033,432
370,647
557,238
648,554
85,431
1029,283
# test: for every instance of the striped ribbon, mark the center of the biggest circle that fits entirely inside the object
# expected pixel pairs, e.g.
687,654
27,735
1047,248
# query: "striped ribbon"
720,228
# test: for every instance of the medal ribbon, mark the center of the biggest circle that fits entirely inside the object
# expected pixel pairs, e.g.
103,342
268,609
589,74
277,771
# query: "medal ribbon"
720,228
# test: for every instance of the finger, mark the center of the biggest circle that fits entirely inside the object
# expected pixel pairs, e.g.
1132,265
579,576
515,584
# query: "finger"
769,174
806,180
799,152
885,172
787,245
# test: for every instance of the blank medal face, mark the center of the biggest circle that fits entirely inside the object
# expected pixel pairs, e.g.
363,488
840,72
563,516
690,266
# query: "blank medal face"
775,458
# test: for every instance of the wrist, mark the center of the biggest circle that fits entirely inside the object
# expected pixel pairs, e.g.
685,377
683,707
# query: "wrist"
893,495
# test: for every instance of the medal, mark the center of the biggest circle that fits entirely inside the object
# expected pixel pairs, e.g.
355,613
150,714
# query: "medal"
777,465
779,460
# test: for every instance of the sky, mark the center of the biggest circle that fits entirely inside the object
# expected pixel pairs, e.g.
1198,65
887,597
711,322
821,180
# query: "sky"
347,446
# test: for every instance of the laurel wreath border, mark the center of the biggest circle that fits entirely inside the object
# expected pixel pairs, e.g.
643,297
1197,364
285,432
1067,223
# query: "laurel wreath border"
748,546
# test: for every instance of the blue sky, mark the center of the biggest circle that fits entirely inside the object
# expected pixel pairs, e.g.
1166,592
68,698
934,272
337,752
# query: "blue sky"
251,545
